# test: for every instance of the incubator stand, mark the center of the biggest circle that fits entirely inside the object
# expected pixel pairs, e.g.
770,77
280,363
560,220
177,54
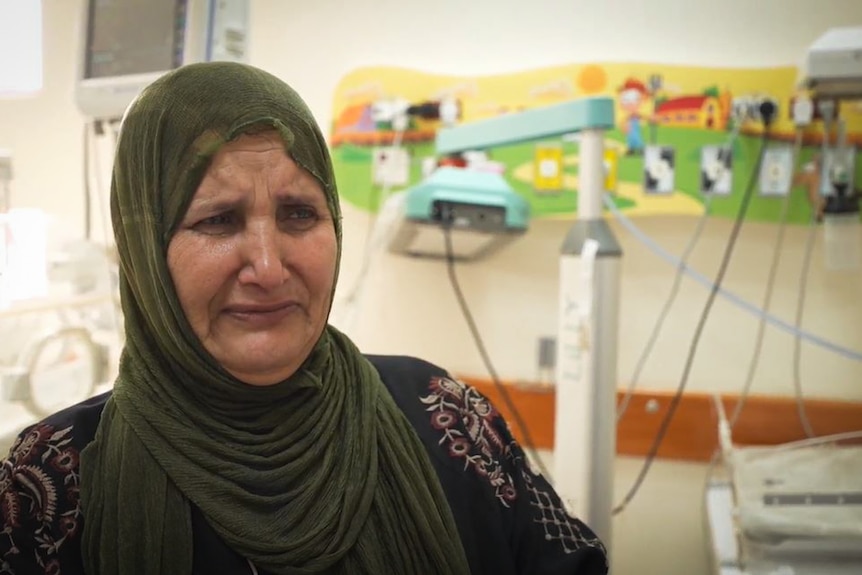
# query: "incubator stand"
794,511
58,348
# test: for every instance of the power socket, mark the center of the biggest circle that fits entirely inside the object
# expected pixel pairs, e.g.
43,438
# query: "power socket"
799,110
747,108
755,109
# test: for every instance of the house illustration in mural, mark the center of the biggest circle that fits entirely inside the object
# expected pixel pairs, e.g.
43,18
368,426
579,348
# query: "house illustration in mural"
709,110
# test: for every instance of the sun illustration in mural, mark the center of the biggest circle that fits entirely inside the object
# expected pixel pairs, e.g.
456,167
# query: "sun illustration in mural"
592,79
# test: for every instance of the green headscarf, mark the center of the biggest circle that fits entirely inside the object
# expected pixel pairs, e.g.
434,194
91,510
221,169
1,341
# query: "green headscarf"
321,473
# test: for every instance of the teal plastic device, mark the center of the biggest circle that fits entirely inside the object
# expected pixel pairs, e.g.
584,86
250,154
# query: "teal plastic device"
480,205
468,199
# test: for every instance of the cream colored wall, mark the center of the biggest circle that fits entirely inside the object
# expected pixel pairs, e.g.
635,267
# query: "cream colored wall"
410,307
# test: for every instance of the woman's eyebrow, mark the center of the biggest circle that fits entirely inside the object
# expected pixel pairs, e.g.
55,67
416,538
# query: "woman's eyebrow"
214,205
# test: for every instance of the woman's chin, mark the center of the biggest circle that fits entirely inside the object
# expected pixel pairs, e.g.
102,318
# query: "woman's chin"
262,370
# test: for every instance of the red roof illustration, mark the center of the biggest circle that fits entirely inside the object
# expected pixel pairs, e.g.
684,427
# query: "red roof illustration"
681,104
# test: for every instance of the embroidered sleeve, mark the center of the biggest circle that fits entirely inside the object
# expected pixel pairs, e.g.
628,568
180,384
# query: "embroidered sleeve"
550,540
39,506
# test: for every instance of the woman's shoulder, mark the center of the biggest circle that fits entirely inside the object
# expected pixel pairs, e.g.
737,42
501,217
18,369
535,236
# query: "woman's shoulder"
74,426
459,425
39,487
429,395
491,481
422,387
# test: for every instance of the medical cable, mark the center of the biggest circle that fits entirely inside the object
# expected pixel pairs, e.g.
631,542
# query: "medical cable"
674,290
107,225
797,341
820,440
354,297
827,110
731,297
529,444
767,112
770,288
88,192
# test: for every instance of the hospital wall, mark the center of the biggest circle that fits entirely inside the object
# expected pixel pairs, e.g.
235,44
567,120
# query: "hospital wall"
409,306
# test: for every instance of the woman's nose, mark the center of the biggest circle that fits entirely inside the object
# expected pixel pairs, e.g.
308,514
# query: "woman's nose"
263,259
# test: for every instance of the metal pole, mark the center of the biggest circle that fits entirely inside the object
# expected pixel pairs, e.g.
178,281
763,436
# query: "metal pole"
591,174
585,442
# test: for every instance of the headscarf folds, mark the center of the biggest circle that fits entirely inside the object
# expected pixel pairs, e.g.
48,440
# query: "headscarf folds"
321,473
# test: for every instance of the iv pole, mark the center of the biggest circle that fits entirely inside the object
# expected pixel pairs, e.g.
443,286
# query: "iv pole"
585,436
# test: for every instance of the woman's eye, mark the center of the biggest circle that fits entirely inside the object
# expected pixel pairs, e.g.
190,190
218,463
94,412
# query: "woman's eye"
217,223
298,217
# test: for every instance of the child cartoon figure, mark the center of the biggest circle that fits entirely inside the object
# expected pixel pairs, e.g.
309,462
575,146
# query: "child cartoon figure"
632,95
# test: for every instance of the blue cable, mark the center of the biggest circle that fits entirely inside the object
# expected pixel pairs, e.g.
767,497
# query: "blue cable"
730,296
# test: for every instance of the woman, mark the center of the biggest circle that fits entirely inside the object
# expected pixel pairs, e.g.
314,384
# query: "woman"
243,434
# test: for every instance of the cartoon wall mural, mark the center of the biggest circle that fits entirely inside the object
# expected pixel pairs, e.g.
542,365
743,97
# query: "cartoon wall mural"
632,95
686,120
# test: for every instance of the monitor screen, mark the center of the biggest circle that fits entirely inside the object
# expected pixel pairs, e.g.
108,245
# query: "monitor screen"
127,37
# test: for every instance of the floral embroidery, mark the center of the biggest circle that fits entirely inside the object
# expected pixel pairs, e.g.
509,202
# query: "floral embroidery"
467,421
41,466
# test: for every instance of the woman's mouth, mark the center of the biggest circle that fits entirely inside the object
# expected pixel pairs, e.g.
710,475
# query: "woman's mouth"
261,314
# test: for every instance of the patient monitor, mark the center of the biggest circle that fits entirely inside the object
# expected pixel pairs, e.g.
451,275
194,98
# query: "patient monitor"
126,44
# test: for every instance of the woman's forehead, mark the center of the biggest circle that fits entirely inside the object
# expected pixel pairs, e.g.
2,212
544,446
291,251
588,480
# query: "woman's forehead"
257,159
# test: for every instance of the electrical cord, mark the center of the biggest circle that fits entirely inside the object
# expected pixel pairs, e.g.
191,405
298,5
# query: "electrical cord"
100,192
529,444
820,440
770,288
354,297
106,219
674,291
827,109
734,299
797,341
88,225
665,311
767,113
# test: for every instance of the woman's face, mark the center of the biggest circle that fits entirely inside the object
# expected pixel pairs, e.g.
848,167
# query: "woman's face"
253,260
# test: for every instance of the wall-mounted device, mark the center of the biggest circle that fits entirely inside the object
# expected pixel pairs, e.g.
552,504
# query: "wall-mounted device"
127,44
586,376
833,71
481,210
833,64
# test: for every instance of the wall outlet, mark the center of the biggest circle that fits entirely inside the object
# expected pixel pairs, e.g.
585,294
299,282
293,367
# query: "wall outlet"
776,172
390,166
547,352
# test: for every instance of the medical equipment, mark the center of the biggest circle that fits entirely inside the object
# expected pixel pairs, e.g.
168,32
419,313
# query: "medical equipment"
585,443
126,44
58,347
481,210
833,64
57,322
796,508
833,71
841,229
478,207
53,324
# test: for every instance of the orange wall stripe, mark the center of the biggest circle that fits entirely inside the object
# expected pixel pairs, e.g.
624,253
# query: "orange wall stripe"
765,420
